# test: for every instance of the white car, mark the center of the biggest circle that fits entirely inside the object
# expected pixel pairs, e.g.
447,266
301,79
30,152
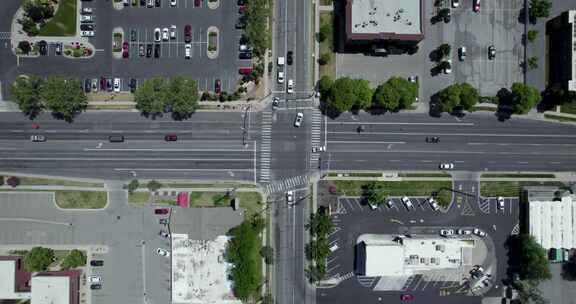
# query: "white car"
157,34
299,118
479,232
464,232
500,203
280,77
290,87
86,10
407,203
37,138
448,68
116,84
165,34
447,232
172,2
87,33
172,32
187,50
446,166
86,18
390,203
163,252
290,197
455,3
95,279
150,3
433,204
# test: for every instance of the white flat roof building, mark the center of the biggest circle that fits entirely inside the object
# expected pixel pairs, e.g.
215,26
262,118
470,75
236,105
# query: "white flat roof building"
386,16
8,282
388,255
552,224
572,22
51,290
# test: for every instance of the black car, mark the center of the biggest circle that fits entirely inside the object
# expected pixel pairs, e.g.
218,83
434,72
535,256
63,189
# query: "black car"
96,263
149,50
141,51
133,85
102,84
133,35
156,50
432,139
109,84
87,85
143,3
289,57
241,2
43,48
245,55
86,27
95,286
157,3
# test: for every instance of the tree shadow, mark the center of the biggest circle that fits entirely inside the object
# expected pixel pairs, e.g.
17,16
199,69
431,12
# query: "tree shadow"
435,108
504,110
327,110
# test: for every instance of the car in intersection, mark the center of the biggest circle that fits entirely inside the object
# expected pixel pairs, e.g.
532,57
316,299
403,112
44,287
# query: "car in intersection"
290,198
290,86
298,120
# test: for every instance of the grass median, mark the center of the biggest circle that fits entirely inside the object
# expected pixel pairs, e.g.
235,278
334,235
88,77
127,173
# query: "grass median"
408,188
64,21
326,46
81,199
517,175
34,181
509,188
250,201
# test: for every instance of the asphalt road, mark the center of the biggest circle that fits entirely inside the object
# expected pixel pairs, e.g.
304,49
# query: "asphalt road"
476,143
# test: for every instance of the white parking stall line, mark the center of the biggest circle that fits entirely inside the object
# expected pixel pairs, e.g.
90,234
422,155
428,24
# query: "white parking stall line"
510,204
357,201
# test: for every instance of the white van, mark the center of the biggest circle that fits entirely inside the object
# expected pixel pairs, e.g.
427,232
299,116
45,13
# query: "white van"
334,247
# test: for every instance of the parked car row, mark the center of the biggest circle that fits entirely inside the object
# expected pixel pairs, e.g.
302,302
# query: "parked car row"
244,48
453,232
156,3
107,84
87,22
462,53
475,4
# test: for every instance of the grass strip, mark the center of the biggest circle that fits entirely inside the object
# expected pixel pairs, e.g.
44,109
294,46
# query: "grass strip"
64,21
326,46
139,197
81,199
568,108
560,118
33,181
509,188
424,175
518,175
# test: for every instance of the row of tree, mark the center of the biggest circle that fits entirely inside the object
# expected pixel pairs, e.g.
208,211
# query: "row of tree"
157,95
64,97
347,94
317,251
39,258
257,31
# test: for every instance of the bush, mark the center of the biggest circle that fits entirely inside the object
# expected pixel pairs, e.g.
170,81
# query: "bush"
133,185
324,59
532,34
268,254
24,46
1,180
38,259
153,186
75,258
13,181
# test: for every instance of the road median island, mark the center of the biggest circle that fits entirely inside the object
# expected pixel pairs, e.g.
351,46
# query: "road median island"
518,175
35,181
81,199
511,188
442,189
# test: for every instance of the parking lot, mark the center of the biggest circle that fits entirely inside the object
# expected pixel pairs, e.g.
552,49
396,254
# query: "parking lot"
143,20
495,24
352,217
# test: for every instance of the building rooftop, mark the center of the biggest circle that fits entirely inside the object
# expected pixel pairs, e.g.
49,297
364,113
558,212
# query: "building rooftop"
14,281
204,223
386,16
551,223
51,290
572,21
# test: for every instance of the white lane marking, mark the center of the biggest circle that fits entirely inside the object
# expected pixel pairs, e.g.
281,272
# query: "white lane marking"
367,142
405,123
128,159
170,169
457,134
519,144
164,150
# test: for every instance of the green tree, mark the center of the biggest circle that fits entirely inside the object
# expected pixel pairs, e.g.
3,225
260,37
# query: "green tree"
528,258
540,9
532,63
325,86
320,224
532,35
267,299
38,259
153,186
524,98
468,96
317,250
375,193
268,254
133,185
24,46
324,58
343,95
386,97
257,31
75,258
407,91
529,293
38,10
449,98
243,252
182,96
64,97
444,50
150,96
25,91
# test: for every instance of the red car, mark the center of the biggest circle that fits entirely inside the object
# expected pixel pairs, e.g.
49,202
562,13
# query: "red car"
125,46
476,5
35,126
245,71
406,297
171,137
242,10
217,86
187,33
161,211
